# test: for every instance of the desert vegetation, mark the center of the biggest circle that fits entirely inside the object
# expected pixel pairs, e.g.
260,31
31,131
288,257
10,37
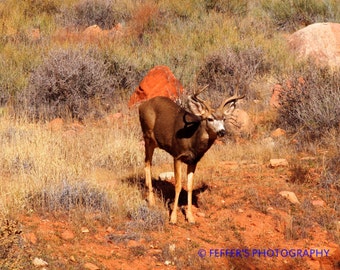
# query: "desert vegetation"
88,171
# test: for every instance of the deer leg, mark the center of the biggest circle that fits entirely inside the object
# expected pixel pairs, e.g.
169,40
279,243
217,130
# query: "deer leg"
190,174
178,188
149,149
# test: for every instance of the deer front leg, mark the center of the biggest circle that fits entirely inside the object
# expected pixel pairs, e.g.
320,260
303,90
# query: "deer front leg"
149,149
148,183
178,188
190,174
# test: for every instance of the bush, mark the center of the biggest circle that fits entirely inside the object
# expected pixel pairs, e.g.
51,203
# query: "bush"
310,103
144,218
124,74
70,196
229,71
68,83
86,13
330,176
290,15
34,7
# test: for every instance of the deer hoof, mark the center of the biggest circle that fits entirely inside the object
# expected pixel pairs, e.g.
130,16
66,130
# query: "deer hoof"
151,199
173,218
190,218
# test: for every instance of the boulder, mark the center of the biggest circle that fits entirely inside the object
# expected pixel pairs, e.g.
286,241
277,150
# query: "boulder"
159,81
320,41
240,125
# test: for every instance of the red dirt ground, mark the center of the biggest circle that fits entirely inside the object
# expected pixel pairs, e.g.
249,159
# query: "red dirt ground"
234,216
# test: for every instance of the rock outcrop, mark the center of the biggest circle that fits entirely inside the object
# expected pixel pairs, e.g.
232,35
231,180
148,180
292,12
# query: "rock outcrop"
159,81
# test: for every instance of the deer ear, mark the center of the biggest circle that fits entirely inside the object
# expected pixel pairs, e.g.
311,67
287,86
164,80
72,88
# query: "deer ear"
229,108
196,107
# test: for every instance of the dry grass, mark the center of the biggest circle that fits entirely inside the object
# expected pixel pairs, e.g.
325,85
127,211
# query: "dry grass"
35,161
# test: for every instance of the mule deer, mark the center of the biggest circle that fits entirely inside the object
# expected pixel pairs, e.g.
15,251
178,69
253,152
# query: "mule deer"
184,134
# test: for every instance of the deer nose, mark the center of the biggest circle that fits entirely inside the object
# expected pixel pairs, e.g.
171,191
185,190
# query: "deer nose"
221,133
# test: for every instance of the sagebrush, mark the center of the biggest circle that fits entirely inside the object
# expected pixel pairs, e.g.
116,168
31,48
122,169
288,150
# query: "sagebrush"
69,83
310,103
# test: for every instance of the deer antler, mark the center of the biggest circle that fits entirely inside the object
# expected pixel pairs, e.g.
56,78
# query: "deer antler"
195,97
229,100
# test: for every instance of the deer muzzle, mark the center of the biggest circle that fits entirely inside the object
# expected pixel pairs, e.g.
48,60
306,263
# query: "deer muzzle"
221,133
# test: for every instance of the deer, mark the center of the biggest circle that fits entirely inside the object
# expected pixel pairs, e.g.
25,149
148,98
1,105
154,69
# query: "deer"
185,133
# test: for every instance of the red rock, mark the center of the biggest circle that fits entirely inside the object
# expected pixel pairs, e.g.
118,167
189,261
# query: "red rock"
93,32
279,132
35,35
320,41
56,124
159,81
30,237
318,203
67,235
278,88
278,162
274,100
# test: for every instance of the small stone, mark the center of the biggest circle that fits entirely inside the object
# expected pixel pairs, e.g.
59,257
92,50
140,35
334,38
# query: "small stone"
290,196
37,262
279,132
240,210
133,243
308,158
318,203
91,266
84,230
109,229
166,176
278,162
200,214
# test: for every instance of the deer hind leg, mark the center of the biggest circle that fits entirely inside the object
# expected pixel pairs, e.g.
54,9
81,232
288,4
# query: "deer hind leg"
190,175
178,188
149,149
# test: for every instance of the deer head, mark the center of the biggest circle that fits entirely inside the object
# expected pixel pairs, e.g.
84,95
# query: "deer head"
214,118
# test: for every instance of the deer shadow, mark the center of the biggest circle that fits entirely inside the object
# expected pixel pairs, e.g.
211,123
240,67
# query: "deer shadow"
166,191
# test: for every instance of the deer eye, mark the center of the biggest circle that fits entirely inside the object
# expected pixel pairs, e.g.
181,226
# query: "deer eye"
210,119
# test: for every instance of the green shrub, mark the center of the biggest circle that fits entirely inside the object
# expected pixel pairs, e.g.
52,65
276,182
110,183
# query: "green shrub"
36,7
310,103
70,82
233,7
290,15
